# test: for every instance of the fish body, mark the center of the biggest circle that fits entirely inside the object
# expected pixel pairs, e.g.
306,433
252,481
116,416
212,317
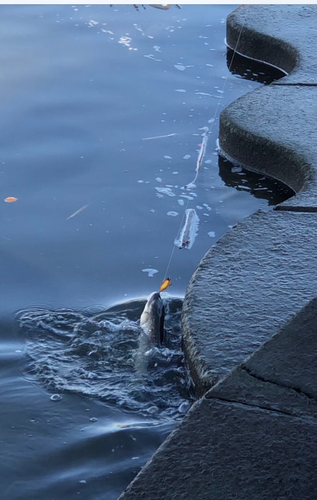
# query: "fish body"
152,318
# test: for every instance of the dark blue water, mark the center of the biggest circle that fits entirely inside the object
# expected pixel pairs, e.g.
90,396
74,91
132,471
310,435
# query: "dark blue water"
87,91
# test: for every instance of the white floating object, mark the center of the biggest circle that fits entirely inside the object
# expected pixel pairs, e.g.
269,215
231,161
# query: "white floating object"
211,234
165,190
150,272
188,233
180,67
158,136
172,214
151,56
78,211
56,397
201,155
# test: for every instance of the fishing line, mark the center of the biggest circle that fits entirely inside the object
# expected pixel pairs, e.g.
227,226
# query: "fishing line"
174,246
206,133
226,78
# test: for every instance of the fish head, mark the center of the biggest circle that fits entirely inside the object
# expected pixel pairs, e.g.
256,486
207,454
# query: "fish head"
152,318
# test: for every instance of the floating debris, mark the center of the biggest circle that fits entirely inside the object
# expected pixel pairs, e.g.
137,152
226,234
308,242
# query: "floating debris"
172,213
188,233
165,190
151,56
150,272
180,67
201,155
10,199
158,137
92,23
78,211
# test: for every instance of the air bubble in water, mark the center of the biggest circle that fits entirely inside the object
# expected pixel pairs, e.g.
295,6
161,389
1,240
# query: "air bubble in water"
56,397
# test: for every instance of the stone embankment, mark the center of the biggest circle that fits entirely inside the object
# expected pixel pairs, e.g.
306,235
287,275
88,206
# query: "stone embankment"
249,314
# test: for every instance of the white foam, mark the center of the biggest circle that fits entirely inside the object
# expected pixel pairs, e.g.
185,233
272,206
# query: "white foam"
150,272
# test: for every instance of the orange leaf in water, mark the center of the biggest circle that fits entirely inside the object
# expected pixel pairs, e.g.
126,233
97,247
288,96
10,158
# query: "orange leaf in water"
166,283
10,199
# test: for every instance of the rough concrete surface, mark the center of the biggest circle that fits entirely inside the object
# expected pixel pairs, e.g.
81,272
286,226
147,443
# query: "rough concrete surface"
253,280
250,306
252,437
289,359
282,374
282,35
227,451
251,134
273,130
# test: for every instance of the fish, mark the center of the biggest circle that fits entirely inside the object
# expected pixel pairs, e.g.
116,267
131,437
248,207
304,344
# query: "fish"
152,318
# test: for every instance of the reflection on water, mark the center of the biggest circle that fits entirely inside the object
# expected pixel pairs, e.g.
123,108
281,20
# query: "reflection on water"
249,69
104,356
260,187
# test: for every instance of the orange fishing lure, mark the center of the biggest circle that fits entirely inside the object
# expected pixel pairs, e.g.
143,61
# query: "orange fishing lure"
166,283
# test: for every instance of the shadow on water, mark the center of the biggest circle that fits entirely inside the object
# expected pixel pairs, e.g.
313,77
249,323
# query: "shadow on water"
261,187
250,69
104,356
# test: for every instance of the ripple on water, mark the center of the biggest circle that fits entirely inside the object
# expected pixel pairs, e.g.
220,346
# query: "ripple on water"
105,355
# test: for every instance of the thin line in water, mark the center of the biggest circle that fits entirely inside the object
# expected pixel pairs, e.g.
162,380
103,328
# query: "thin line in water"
206,133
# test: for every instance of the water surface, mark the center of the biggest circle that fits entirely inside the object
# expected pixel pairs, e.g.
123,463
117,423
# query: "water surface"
87,91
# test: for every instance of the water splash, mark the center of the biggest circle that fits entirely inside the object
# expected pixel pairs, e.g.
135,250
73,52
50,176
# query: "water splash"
105,356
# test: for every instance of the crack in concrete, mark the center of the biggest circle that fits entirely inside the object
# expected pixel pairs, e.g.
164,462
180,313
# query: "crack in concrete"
268,408
260,407
283,386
